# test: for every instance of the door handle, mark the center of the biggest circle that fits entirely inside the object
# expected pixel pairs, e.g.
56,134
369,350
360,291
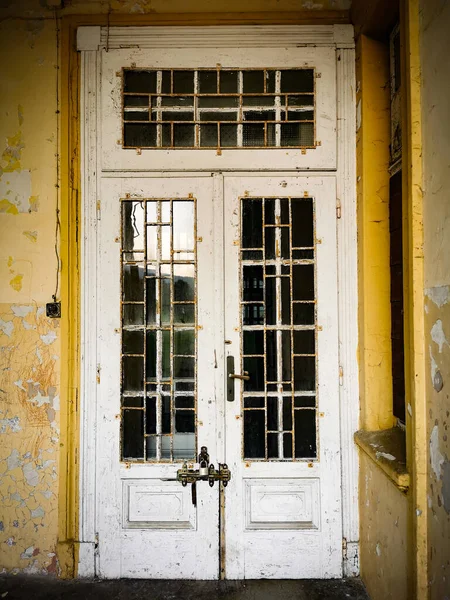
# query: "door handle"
232,376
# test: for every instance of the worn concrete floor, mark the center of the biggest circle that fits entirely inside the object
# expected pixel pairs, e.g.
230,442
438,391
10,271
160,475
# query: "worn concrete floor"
40,588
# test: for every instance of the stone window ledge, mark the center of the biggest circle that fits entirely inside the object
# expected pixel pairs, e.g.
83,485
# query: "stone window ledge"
387,449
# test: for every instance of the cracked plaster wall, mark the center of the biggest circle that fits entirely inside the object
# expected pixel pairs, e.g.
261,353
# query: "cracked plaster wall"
29,342
435,46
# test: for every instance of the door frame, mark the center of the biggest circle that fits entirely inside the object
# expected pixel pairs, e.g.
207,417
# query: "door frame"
339,37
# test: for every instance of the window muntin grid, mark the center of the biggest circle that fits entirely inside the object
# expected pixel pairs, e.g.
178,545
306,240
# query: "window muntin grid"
219,108
278,325
159,325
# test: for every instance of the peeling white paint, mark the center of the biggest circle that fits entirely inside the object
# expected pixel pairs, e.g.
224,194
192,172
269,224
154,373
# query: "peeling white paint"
440,295
438,335
38,513
437,460
384,455
15,187
409,408
378,549
13,461
49,337
11,425
18,383
30,474
28,552
7,327
21,311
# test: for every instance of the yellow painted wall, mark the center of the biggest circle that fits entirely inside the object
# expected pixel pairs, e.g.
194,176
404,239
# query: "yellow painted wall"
384,534
384,509
29,342
435,46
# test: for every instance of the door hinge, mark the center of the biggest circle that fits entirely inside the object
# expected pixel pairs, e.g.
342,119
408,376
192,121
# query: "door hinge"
99,206
338,209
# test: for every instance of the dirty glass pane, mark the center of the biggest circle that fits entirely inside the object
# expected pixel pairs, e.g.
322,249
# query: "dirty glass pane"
303,282
253,342
132,434
133,342
305,434
251,223
184,282
133,226
184,341
254,434
150,417
133,283
185,421
305,373
183,445
132,374
304,342
184,314
183,225
272,413
133,314
154,115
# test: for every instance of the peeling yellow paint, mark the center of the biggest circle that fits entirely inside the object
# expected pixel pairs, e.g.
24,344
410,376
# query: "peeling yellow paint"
16,282
31,235
34,203
8,207
10,261
12,154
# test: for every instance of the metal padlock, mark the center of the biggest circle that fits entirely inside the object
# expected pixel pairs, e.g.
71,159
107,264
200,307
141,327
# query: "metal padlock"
203,459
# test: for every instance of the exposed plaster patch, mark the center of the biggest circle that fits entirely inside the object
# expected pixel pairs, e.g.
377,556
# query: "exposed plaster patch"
30,474
28,552
21,310
38,513
12,154
15,192
409,409
11,425
378,549
440,295
385,455
436,457
13,460
438,335
433,364
49,337
7,327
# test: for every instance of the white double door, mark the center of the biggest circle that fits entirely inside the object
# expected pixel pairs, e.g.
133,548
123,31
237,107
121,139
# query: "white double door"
196,273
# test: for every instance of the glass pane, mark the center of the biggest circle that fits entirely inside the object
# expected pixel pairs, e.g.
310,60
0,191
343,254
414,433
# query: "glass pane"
303,313
139,81
287,414
150,447
151,301
132,342
166,426
184,314
251,223
302,222
132,434
183,367
297,80
255,369
271,302
272,413
133,115
133,226
132,373
304,342
166,447
305,434
183,136
304,401
165,284
165,359
305,373
150,367
269,242
218,102
228,82
271,356
178,101
287,445
253,82
253,342
209,136
303,282
165,242
254,402
183,226
253,283
184,282
253,314
184,401
184,386
152,242
150,415
183,82
139,135
133,283
133,401
185,421
184,341
254,434
228,136
272,445
207,81
253,134
183,445
133,314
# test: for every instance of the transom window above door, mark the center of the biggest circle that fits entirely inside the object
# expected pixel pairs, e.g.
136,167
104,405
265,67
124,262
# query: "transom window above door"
218,108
